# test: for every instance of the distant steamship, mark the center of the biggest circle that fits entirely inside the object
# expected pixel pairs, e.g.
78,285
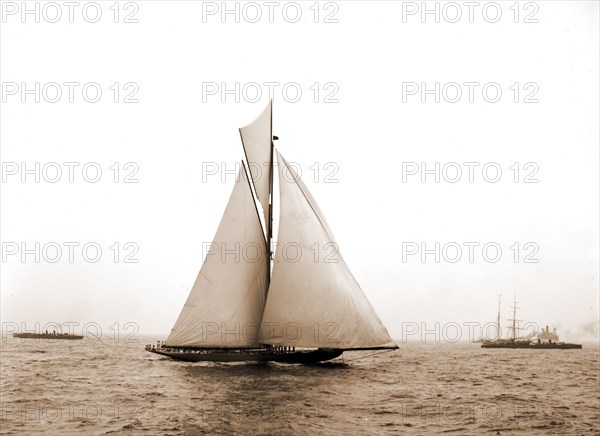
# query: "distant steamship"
543,340
47,335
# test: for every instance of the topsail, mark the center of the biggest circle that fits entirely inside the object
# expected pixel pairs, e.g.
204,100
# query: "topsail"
256,139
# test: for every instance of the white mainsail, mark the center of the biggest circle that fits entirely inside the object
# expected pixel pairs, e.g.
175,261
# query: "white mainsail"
314,300
256,139
225,306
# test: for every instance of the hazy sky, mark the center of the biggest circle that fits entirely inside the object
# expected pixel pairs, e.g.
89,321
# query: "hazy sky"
520,97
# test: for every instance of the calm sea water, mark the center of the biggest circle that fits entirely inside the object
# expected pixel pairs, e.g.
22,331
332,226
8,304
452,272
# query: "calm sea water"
68,387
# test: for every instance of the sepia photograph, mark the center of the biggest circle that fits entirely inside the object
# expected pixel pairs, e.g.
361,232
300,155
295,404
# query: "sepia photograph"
300,217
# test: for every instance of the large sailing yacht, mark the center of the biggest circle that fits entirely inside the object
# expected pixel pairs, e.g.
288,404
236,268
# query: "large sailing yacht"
253,307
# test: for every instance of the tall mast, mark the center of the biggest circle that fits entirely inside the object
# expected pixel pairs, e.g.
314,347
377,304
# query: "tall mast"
269,224
254,138
514,319
498,321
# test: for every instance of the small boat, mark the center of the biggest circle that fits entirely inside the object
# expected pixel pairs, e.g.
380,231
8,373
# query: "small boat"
46,336
248,305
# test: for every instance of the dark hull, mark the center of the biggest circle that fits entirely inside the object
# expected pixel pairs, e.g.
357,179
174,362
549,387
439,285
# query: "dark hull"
545,346
45,336
249,355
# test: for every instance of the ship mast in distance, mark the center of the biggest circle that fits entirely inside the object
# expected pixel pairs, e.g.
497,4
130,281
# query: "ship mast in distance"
498,320
514,319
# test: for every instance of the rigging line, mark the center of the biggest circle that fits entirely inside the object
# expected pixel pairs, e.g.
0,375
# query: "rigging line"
96,337
368,355
246,154
254,192
248,178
